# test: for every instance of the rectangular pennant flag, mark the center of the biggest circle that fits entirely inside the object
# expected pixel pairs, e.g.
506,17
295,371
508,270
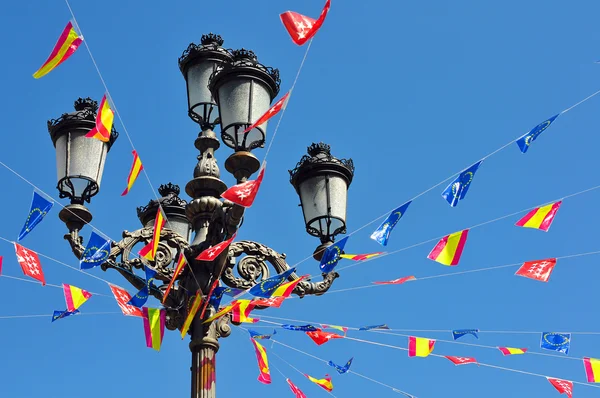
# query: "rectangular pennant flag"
320,337
141,297
592,369
449,249
67,44
382,233
260,336
267,287
178,268
75,297
63,314
192,311
420,346
525,141
96,252
284,291
270,302
30,263
104,122
457,334
324,383
539,270
297,392
340,328
149,251
244,194
332,255
398,281
228,308
461,360
360,257
540,217
560,342
241,312
375,327
512,351
274,110
213,252
303,328
215,298
154,326
122,297
341,369
302,28
457,190
562,386
136,168
38,210
263,362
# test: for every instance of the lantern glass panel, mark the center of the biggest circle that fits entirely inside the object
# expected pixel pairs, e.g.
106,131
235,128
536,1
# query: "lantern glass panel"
324,200
200,100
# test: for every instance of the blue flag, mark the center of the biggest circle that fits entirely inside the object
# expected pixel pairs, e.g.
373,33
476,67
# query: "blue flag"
382,234
96,252
39,208
305,328
63,314
256,335
267,287
384,326
215,298
457,190
342,369
560,342
331,255
141,297
534,133
457,334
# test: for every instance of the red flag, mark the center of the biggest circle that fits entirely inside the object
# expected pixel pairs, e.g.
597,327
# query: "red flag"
295,390
123,297
461,360
539,270
302,28
270,302
562,386
30,263
320,337
274,110
398,281
0,265
212,252
208,296
243,194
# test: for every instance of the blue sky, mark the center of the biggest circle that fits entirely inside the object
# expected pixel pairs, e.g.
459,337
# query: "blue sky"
412,92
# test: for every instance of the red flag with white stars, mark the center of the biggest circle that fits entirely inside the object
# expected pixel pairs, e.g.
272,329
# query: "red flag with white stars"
295,390
270,302
243,194
320,337
461,360
562,386
123,297
213,252
539,270
30,263
302,28
274,110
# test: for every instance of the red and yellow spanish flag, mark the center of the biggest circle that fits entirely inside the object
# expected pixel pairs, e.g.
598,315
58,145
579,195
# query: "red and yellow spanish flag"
104,122
287,288
449,249
192,311
241,312
178,268
149,251
136,168
592,369
75,297
360,257
263,363
420,346
540,217
67,44
223,311
325,382
512,351
154,326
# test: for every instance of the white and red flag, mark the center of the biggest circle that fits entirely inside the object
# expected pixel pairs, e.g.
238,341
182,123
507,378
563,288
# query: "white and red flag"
539,270
562,386
302,28
123,297
461,360
30,263
244,194
213,252
274,110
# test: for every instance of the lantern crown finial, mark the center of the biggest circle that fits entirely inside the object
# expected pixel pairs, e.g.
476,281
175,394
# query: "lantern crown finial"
86,103
244,54
321,147
211,38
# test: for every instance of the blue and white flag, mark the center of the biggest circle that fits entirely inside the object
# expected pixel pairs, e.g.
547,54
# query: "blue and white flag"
141,297
382,233
341,369
525,141
457,190
457,334
560,342
39,208
96,252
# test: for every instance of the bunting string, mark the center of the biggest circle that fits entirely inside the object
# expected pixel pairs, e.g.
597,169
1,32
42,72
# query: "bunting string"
48,284
296,369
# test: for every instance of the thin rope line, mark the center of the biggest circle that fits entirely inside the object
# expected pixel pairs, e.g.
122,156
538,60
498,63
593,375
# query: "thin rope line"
291,90
580,102
297,370
50,315
47,284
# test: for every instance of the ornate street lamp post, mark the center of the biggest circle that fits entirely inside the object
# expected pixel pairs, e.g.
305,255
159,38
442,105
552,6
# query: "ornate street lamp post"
230,89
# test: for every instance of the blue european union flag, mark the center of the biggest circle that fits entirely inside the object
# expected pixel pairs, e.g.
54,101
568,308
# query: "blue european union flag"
534,133
141,297
256,335
457,334
215,298
304,328
63,314
341,369
382,233
560,342
267,287
39,208
380,327
457,190
331,255
96,252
